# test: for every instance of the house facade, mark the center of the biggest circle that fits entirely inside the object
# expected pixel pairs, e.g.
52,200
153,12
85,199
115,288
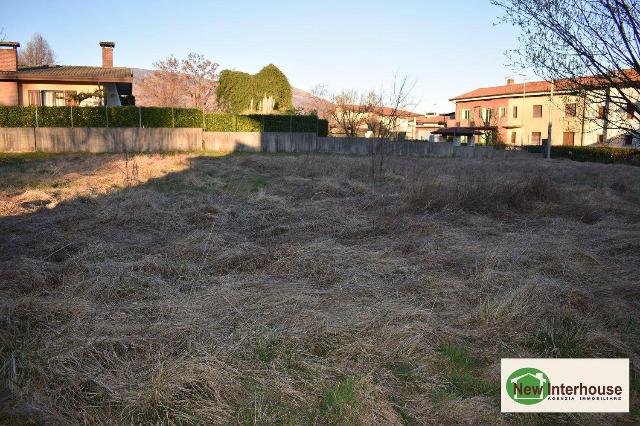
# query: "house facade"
60,85
520,114
402,125
424,127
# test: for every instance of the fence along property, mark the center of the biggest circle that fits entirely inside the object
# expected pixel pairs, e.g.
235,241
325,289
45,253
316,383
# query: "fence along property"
140,129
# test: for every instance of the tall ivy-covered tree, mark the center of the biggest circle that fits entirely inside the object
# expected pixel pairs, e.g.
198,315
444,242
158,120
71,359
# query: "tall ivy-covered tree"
239,92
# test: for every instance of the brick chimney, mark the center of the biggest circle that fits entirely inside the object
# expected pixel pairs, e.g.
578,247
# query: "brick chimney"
510,81
107,53
9,55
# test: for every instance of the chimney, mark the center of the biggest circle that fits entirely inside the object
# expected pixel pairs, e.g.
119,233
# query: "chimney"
510,81
107,53
9,55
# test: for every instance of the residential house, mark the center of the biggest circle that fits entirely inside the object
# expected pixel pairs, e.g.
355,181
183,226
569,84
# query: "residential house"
520,113
59,85
425,126
403,125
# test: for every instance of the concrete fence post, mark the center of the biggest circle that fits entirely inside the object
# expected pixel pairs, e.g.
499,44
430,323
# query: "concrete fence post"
139,118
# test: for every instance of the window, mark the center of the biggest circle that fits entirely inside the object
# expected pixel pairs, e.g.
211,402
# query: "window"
466,114
630,110
502,111
515,112
600,139
486,114
536,137
601,112
570,110
568,138
628,139
513,138
34,98
537,111
53,98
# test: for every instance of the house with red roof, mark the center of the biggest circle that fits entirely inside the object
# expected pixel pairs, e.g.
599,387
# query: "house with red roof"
520,114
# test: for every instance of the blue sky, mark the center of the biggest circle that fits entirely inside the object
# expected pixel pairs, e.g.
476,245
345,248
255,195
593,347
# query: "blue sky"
447,47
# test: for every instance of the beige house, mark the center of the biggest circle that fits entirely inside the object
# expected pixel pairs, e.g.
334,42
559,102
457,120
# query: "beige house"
60,85
521,114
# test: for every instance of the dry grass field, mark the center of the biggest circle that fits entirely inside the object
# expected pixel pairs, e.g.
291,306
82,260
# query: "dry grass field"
251,289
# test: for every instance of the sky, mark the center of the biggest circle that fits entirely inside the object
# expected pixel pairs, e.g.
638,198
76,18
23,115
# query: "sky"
445,47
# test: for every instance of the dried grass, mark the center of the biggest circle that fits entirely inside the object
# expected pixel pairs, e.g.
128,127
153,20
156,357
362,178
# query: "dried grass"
258,289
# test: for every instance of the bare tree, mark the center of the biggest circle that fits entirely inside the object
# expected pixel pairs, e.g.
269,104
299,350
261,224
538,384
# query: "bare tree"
590,48
319,103
390,108
377,113
36,53
186,83
350,111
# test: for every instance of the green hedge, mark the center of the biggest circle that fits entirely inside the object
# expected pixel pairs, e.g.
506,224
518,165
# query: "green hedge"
16,116
188,117
596,154
54,116
323,127
246,123
220,123
155,117
124,116
89,117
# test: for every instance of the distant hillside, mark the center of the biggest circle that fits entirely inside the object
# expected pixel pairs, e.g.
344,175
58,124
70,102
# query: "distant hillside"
301,99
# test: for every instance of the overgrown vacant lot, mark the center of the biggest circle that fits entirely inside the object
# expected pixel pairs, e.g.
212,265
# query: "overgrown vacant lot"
249,289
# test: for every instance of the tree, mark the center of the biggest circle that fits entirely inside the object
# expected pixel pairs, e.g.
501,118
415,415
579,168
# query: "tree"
351,110
268,90
36,53
186,83
590,48
353,113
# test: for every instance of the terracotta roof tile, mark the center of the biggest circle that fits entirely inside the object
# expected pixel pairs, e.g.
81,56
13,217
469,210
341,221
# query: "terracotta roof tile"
506,90
70,73
432,119
625,76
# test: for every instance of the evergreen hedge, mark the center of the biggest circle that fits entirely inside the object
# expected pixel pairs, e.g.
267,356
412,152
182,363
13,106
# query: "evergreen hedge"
156,117
124,116
247,123
220,123
17,116
596,154
323,128
54,116
89,117
188,117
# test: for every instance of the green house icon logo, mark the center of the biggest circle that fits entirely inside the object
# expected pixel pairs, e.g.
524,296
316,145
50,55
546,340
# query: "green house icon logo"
528,386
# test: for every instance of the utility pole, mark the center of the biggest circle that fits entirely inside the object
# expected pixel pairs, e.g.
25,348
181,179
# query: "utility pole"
549,128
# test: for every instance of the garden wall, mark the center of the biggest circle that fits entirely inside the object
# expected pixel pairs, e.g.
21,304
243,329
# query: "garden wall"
96,140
